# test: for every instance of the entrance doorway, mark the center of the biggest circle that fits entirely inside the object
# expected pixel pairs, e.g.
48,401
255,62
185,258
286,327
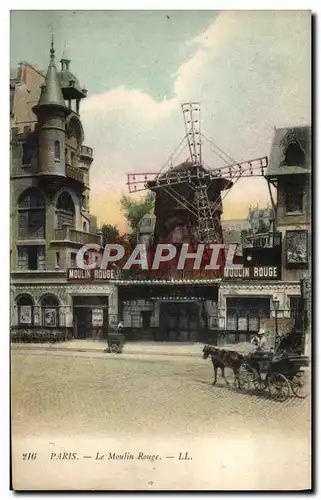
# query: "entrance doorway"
90,317
179,321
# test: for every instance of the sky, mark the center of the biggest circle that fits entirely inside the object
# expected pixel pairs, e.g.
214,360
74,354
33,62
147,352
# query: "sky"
250,71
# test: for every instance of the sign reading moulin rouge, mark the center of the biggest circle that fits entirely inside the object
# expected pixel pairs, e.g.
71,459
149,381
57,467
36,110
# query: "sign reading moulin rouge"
91,274
253,273
235,273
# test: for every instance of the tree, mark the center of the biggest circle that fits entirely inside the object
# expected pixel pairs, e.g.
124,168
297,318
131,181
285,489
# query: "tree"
110,234
134,211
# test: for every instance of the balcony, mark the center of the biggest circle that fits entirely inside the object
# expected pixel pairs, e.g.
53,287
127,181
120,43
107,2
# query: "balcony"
87,152
78,238
74,173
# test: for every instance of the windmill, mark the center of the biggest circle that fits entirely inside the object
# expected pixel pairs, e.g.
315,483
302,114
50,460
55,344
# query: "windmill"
189,194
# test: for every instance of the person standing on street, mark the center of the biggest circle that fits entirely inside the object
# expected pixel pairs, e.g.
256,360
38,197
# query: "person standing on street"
259,341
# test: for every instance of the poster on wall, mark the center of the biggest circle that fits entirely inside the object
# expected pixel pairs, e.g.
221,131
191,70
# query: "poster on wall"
50,315
25,315
97,317
297,248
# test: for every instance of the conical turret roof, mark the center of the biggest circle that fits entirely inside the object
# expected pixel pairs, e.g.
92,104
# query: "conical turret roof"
51,93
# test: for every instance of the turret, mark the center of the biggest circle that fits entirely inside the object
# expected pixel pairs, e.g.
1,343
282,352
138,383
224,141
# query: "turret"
51,112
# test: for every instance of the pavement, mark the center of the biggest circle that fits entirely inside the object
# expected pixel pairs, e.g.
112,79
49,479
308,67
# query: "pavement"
130,348
148,348
69,404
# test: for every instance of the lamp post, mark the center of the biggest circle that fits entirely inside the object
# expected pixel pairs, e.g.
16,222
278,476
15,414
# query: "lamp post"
276,304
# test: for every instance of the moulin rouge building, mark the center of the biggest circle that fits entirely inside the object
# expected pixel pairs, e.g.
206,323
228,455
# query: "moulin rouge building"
51,221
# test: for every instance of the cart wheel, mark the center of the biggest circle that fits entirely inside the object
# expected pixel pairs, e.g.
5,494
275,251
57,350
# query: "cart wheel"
279,386
244,382
300,384
250,372
259,384
114,348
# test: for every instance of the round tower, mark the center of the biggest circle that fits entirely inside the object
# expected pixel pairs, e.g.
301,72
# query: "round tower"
51,112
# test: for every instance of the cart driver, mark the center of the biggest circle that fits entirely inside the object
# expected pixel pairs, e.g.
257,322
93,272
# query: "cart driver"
120,327
259,341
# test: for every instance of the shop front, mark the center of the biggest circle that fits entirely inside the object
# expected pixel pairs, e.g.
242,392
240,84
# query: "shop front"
168,311
246,307
90,315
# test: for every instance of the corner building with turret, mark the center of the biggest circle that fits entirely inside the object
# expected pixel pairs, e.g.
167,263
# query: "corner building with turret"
49,213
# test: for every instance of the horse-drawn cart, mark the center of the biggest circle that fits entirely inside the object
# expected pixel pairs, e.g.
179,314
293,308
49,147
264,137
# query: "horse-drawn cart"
280,374
115,342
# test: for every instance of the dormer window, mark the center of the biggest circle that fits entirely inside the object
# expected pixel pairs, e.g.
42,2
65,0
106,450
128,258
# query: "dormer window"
57,150
294,155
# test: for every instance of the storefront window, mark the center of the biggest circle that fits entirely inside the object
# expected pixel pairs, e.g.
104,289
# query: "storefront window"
25,310
50,311
246,313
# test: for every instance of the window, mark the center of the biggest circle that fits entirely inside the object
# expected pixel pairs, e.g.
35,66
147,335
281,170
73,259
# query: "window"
57,150
32,212
73,262
294,155
65,210
26,154
22,259
32,253
50,311
66,155
57,259
31,258
294,201
25,310
294,307
72,157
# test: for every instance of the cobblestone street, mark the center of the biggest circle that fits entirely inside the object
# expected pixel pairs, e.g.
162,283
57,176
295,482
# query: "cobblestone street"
93,395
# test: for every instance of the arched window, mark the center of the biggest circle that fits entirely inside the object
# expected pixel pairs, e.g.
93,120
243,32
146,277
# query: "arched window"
25,310
65,210
50,311
57,150
294,155
32,214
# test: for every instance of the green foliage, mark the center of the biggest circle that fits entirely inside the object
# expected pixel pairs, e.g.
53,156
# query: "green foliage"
110,234
134,210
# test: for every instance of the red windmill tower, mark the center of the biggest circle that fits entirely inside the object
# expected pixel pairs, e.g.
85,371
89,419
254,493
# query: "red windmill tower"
188,205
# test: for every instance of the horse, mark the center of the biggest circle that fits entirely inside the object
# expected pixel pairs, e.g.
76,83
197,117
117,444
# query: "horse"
224,359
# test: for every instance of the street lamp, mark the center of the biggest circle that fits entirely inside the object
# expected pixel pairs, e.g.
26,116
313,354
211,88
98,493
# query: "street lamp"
276,304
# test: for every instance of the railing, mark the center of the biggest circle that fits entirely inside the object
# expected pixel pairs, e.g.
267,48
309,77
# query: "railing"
74,173
86,151
69,234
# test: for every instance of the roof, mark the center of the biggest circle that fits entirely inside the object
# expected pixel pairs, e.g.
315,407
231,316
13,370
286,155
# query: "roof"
70,83
298,138
51,94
